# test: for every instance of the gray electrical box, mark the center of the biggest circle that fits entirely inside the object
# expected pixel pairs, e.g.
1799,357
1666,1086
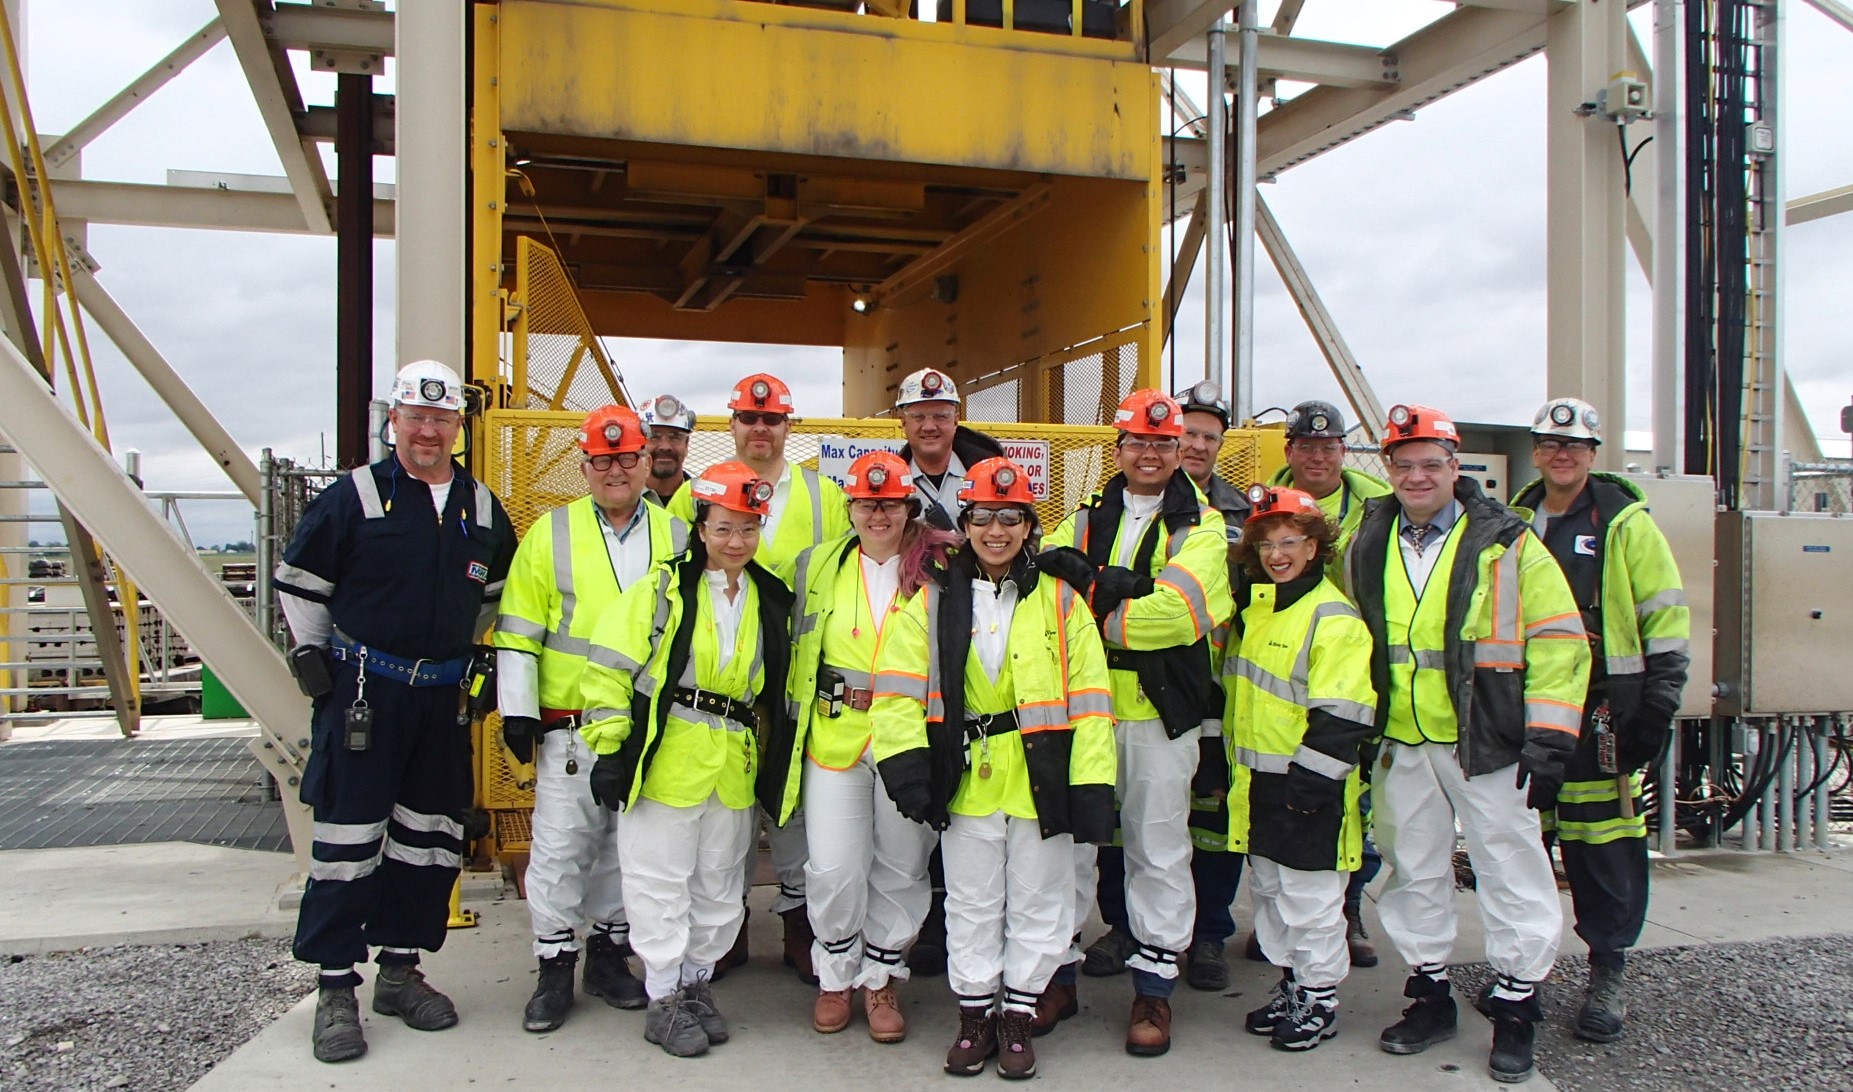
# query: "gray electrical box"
1785,613
1684,507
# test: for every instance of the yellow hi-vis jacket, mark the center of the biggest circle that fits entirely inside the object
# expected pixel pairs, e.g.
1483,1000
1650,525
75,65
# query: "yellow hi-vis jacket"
1167,631
663,637
815,511
1297,676
1498,660
1355,487
1058,767
559,586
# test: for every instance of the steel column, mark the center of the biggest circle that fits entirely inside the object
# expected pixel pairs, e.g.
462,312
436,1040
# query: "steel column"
1247,100
354,266
431,262
1216,175
1668,288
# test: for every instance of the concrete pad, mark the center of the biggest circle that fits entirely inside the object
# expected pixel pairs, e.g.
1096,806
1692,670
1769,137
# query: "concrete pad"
155,893
1727,895
489,971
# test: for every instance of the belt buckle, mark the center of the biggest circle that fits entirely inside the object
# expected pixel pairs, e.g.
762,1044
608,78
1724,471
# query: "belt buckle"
859,698
418,666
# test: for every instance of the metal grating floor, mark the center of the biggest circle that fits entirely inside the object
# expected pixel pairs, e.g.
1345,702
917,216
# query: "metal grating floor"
57,795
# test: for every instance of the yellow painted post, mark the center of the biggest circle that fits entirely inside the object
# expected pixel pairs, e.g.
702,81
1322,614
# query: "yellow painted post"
459,917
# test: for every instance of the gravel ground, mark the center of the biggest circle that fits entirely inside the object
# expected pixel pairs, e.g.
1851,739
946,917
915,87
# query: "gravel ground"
1766,1014
145,1018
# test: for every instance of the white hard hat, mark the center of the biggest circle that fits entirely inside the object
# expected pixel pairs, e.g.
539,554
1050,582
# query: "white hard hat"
1569,418
668,411
428,383
926,385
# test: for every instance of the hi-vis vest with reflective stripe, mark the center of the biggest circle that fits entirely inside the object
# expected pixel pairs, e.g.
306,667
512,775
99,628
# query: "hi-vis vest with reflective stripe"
559,586
1420,708
815,511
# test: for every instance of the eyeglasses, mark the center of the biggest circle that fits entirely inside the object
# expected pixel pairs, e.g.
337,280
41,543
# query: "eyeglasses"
749,418
1330,448
938,417
746,532
602,463
1009,517
1280,545
1426,466
1551,446
430,420
866,507
1163,447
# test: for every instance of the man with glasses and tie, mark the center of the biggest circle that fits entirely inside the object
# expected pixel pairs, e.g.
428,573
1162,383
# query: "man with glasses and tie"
1480,666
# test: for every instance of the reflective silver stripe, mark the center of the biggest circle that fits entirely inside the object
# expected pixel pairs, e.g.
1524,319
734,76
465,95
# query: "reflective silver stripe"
1505,592
559,525
706,719
369,491
568,644
1269,683
1187,585
817,504
304,579
1625,665
1488,654
678,537
349,834
430,824
644,683
611,658
1090,705
1553,715
493,590
516,626
855,680
1043,716
1569,625
343,870
1261,763
907,686
600,713
1321,763
1671,597
423,856
1356,712
1658,645
485,506
1302,663
1428,659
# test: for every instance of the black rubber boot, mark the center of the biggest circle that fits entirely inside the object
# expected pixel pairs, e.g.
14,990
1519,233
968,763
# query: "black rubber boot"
1604,1013
928,955
401,990
1432,1019
553,994
337,1025
608,973
1515,1025
1205,968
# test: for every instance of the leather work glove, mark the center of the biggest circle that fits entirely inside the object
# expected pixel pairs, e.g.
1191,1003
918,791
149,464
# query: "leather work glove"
1644,739
1068,564
1114,585
1309,792
915,802
610,786
1212,777
1543,769
518,735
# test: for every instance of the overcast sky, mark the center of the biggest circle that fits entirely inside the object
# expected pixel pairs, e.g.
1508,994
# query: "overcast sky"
1426,240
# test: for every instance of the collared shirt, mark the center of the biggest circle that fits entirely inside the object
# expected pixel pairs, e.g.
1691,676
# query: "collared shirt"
1419,561
728,613
775,509
881,587
946,493
993,609
629,552
1139,512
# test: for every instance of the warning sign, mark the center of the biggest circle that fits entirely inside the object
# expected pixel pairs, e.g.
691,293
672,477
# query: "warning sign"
1033,457
835,453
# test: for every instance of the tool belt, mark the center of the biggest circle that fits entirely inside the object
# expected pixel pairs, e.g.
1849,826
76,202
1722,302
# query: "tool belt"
720,705
989,724
556,720
857,697
419,672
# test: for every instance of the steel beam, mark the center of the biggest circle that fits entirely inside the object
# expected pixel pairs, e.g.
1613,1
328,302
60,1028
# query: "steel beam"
279,103
322,26
1216,208
319,123
1835,10
432,264
353,268
135,93
1667,262
1187,248
917,273
1818,206
1170,24
144,205
1247,108
1336,64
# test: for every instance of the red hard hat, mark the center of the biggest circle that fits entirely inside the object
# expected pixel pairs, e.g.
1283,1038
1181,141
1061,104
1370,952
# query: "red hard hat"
735,487
763,392
996,480
879,475
1150,413
1279,501
612,430
1414,422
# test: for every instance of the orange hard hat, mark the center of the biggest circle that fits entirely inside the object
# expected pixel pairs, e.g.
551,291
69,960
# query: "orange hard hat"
996,480
1414,422
734,486
763,392
1279,501
611,430
879,475
1150,413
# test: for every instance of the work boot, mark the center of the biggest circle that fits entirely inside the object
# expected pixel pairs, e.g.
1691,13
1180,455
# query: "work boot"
1605,1004
928,954
401,990
670,1025
1016,1057
1148,1031
1056,1004
1265,1019
1363,952
1108,955
798,938
882,1009
1515,1025
1432,1019
830,1012
608,973
553,994
1205,968
698,998
1252,952
1311,1019
337,1025
976,1041
736,955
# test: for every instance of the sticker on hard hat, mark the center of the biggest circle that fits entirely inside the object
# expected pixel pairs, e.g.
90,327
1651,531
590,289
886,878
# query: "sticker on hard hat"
1321,422
1591,419
1562,413
431,390
707,488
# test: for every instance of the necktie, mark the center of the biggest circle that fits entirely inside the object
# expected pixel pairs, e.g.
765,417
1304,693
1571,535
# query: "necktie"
1419,536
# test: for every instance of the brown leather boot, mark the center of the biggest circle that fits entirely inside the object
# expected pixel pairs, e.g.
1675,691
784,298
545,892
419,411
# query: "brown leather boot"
1056,1004
1016,1058
1148,1033
1363,952
798,938
976,1041
830,1014
883,1010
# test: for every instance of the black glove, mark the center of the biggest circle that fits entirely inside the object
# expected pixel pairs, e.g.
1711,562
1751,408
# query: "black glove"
1069,564
1114,585
610,785
518,735
1309,792
1212,776
1543,768
914,801
1644,739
